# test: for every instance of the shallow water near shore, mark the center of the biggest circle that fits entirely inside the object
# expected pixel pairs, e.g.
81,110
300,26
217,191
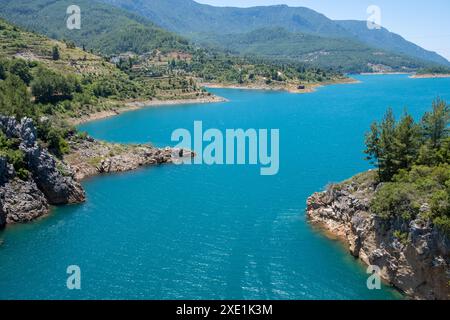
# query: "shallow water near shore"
215,232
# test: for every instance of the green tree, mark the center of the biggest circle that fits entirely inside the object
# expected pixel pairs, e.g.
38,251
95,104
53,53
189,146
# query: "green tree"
3,69
49,86
386,159
406,142
373,146
14,97
435,124
55,53
20,68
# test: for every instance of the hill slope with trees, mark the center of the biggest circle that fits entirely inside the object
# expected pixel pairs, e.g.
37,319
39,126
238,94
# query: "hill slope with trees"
196,21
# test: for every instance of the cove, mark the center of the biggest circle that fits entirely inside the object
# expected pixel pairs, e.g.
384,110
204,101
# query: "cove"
215,232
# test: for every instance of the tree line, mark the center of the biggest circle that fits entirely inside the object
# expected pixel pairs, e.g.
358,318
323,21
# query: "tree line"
393,146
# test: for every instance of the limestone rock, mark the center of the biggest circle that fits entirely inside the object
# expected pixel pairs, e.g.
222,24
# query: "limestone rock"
58,188
419,267
22,201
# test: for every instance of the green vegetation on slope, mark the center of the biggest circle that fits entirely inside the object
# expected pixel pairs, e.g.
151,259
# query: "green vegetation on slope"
260,32
413,162
51,81
434,70
342,54
211,66
198,21
104,28
107,30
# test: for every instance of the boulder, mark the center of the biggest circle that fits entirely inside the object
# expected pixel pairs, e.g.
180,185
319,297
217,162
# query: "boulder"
22,201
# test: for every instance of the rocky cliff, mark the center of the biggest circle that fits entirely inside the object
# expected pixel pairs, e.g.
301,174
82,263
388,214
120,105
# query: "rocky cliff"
22,200
52,181
416,263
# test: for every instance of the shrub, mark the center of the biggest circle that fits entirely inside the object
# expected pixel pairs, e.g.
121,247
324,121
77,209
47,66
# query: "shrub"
396,199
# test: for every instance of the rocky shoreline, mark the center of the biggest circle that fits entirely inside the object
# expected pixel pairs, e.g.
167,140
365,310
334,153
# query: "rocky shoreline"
53,181
418,265
430,76
90,157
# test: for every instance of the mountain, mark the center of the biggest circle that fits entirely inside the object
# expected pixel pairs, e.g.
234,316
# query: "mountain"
189,17
342,54
384,39
275,32
104,28
192,19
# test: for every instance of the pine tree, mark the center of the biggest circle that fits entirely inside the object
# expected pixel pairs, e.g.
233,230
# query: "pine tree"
373,145
435,124
406,143
387,147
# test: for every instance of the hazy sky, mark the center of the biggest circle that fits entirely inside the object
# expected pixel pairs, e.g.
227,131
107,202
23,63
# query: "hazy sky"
426,23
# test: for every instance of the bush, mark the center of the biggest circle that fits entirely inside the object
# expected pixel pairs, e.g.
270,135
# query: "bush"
402,237
443,224
396,199
9,149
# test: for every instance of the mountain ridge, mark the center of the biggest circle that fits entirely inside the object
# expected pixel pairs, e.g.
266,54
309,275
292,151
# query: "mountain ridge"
189,18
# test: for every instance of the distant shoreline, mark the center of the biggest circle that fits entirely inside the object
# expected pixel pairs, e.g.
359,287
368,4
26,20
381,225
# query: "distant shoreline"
140,104
383,73
429,76
309,88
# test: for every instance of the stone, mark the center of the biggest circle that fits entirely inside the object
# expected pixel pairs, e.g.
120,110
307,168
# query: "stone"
22,201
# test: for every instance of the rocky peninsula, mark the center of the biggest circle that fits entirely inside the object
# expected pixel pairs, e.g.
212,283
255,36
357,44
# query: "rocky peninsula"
52,181
416,263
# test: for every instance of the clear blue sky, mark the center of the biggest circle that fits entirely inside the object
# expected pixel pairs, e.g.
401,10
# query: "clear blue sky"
426,23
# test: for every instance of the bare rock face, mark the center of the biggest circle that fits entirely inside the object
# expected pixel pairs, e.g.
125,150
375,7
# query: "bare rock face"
58,189
22,201
5,173
419,267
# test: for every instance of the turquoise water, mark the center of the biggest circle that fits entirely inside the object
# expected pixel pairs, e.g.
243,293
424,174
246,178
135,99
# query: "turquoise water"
207,232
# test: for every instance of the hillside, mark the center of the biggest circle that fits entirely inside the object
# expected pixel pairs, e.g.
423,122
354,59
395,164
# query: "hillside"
386,40
196,20
104,28
149,50
90,83
345,55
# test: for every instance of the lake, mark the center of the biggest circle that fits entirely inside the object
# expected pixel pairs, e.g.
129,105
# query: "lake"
215,232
